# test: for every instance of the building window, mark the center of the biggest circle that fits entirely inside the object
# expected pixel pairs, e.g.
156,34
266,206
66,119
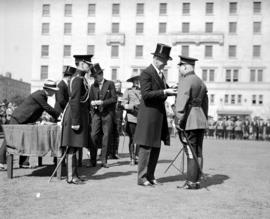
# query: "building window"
45,29
254,99
114,74
44,50
232,75
260,100
204,75
232,51
185,50
256,75
208,27
233,7
211,75
239,98
232,99
67,50
91,28
115,9
209,8
256,51
162,27
186,8
212,98
45,10
44,72
208,75
139,28
115,51
256,7
226,99
67,28
115,27
232,27
257,27
235,75
208,53
162,8
91,49
139,51
185,27
140,9
68,10
91,10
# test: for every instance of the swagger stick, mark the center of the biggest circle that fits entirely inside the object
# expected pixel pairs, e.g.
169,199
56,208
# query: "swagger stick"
59,164
64,155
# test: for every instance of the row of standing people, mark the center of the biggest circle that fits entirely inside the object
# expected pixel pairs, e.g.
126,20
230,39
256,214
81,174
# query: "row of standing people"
231,128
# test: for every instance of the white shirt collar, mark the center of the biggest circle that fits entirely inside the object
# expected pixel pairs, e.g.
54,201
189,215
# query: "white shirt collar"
157,70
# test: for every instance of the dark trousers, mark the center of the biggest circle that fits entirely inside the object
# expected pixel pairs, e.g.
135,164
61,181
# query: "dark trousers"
3,149
130,129
148,158
101,128
113,147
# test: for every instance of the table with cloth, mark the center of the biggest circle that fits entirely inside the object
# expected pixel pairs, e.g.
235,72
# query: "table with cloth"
32,140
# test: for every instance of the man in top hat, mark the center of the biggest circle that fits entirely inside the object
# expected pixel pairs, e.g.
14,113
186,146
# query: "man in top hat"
102,99
62,96
131,102
192,112
152,124
30,111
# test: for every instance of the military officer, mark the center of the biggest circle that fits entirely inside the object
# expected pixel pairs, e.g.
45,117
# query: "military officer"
102,99
230,127
220,128
152,127
192,111
76,122
131,102
238,129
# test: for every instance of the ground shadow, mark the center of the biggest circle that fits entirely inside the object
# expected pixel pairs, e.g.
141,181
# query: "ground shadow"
211,180
87,175
208,181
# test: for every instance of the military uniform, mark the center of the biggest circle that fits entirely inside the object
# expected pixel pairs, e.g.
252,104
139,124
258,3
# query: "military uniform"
131,100
211,127
229,128
238,129
192,111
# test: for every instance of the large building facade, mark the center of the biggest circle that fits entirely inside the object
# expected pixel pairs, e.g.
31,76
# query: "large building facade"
231,39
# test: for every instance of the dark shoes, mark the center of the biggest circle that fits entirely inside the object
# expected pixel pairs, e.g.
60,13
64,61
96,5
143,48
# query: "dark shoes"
75,181
146,184
113,157
104,165
155,183
190,185
91,164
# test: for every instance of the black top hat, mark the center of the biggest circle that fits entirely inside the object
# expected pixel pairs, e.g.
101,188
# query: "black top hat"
187,60
69,71
95,70
84,58
163,51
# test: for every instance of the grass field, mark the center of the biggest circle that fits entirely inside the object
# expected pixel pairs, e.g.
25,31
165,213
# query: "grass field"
237,185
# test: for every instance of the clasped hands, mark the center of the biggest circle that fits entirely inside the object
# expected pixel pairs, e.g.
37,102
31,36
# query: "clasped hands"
170,92
96,102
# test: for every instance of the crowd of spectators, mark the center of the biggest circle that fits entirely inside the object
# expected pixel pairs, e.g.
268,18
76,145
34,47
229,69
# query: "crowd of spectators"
6,110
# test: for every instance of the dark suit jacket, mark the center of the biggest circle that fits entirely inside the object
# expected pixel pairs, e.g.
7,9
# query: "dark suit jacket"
32,108
61,97
152,124
107,94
